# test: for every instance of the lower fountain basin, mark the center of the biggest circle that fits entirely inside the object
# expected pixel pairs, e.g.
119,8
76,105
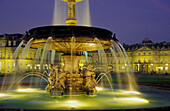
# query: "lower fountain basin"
105,99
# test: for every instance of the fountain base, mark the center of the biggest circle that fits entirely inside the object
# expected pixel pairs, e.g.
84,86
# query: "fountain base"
71,80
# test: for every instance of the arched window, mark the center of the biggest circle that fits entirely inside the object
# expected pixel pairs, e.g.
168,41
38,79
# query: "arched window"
14,43
144,60
9,43
139,60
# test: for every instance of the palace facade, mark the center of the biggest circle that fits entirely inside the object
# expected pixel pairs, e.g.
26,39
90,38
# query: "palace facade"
144,57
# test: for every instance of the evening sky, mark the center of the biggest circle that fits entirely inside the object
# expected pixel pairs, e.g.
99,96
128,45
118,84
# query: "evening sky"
131,20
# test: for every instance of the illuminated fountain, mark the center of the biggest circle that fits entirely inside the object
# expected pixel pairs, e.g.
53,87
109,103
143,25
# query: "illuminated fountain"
70,40
70,87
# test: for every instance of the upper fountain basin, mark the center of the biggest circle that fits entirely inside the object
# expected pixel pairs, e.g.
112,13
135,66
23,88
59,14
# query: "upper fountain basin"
62,36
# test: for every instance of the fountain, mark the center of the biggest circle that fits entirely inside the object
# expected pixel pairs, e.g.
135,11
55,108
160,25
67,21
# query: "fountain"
70,40
69,86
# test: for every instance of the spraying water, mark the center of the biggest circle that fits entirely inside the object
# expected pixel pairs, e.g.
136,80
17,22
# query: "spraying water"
86,55
16,52
44,54
26,49
58,17
53,56
129,68
117,70
83,13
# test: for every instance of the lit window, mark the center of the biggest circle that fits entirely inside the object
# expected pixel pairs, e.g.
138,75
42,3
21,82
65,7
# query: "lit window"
8,65
161,60
14,43
13,66
9,43
161,53
144,60
139,60
166,68
35,67
166,53
30,66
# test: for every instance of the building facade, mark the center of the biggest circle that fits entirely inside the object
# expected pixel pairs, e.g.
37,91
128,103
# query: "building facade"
149,57
144,57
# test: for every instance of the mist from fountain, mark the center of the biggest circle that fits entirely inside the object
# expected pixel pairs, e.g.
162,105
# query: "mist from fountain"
58,16
83,13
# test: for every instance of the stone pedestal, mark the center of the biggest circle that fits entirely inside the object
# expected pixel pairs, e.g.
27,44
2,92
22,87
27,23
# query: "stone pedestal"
71,64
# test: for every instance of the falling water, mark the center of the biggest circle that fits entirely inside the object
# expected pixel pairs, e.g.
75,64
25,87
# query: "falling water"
35,64
130,79
15,56
16,52
72,59
103,55
49,59
134,85
86,55
26,49
100,58
45,51
100,63
53,56
23,55
47,47
37,58
103,58
117,70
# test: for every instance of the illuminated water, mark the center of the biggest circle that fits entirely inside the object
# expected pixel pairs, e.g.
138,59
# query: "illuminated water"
39,99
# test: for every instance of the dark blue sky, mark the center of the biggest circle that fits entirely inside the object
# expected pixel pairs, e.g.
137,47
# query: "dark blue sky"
131,20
